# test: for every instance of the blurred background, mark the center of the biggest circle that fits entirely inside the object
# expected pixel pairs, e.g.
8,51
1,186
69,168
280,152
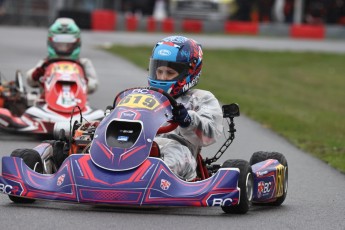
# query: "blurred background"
43,12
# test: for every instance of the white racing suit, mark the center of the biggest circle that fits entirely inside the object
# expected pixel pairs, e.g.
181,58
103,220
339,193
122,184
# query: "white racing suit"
90,74
180,147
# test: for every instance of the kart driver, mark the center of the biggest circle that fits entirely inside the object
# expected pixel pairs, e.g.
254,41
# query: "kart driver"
64,43
175,67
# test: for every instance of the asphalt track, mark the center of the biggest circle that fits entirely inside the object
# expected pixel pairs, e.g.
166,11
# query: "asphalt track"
316,191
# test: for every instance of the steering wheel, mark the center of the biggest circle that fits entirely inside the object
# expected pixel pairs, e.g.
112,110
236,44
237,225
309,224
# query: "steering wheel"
172,124
168,128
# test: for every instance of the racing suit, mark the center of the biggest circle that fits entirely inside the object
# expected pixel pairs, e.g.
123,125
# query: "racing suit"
90,74
180,147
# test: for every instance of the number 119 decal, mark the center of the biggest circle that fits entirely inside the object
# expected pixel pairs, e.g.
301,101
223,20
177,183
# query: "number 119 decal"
139,101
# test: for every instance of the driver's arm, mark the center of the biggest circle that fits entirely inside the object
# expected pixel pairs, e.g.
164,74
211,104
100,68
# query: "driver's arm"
91,74
206,115
29,75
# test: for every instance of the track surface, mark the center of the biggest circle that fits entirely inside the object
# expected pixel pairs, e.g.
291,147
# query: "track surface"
316,191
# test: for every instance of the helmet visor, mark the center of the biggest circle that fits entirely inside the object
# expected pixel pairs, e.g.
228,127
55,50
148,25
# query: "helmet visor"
167,70
64,43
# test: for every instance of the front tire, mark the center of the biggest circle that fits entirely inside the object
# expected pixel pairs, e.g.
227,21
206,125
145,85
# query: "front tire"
33,160
245,183
262,156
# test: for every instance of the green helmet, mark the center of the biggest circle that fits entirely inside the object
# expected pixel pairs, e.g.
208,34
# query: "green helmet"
64,39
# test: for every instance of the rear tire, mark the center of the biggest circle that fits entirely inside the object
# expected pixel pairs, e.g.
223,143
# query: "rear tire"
245,183
33,160
262,156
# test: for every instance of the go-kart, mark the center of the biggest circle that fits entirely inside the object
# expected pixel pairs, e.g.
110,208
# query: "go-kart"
64,86
117,162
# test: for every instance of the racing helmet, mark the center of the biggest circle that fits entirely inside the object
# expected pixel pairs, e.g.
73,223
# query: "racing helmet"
184,55
64,39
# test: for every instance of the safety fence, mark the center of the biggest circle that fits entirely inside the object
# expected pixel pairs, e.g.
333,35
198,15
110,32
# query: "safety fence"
110,20
107,20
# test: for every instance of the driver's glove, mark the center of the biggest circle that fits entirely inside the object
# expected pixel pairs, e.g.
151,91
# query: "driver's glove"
181,116
38,72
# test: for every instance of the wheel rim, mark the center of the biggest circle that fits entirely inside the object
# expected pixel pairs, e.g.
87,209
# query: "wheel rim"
285,180
249,187
35,167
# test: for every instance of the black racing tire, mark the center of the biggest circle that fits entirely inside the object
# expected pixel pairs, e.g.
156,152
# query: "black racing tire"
33,160
262,156
245,183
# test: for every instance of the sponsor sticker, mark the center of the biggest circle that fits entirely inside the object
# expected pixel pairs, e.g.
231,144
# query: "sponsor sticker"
122,138
165,184
258,174
164,52
60,180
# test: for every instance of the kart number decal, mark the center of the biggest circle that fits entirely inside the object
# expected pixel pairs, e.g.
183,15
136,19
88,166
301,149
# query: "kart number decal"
66,67
280,180
139,101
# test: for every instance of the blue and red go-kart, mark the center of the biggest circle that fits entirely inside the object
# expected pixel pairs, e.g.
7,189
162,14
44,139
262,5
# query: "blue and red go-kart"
117,162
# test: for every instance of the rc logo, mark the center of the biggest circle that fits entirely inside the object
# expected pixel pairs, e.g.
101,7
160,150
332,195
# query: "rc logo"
264,188
222,199
222,202
5,188
164,52
165,184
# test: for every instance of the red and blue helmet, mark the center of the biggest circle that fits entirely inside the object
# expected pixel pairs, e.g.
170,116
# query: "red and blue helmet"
182,54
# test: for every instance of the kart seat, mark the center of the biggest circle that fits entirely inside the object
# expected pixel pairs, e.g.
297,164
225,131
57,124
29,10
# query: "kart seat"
155,151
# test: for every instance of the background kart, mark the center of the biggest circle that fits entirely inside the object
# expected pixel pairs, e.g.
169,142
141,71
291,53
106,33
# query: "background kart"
122,164
64,87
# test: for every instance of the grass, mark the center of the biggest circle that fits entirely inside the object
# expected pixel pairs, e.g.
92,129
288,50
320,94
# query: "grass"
298,95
